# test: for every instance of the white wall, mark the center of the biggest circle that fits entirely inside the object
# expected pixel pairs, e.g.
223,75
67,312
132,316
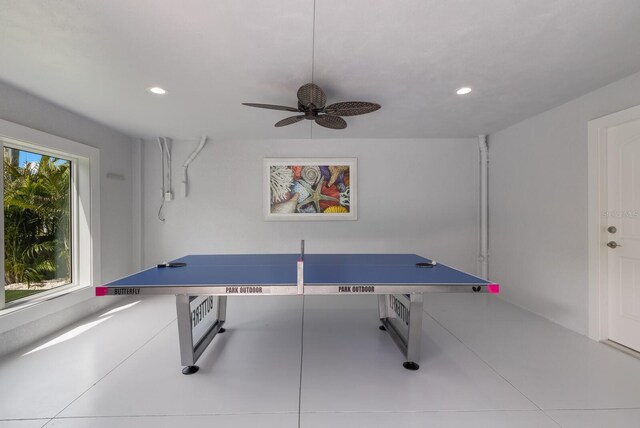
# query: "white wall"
538,205
413,196
116,202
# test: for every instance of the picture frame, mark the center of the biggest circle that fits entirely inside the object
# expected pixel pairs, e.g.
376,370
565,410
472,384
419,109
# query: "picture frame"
310,189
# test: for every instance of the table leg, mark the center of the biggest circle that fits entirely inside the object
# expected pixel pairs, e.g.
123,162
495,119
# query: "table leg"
207,311
415,332
401,317
222,312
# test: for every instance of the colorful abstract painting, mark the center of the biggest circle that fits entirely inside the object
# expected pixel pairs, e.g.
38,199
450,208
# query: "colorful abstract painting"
310,189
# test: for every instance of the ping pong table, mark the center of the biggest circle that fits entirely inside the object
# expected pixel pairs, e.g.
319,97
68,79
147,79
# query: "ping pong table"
201,284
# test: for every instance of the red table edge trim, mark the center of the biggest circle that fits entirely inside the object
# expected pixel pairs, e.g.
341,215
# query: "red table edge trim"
101,291
493,288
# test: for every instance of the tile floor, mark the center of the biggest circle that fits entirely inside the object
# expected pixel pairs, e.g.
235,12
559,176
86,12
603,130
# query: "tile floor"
485,363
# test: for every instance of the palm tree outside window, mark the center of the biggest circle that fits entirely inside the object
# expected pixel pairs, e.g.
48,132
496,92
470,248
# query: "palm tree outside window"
37,223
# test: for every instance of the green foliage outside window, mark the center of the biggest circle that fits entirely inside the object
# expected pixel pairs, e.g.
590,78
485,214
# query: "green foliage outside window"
37,235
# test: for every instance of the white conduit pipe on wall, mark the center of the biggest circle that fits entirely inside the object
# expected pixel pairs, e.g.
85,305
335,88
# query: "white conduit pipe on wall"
483,257
160,217
167,192
192,156
165,154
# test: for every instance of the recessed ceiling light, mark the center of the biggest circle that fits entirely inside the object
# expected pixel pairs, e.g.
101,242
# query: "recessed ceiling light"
463,91
157,90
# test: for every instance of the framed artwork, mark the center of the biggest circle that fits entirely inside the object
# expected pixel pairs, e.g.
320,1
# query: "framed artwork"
310,189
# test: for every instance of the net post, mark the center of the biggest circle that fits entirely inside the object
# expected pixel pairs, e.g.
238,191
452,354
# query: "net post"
300,270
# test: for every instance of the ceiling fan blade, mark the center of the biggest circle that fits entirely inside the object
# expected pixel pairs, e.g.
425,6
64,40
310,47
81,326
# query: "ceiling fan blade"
332,122
289,121
351,108
312,94
271,106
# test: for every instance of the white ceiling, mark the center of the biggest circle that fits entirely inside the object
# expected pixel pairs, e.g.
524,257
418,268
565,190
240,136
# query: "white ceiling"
97,58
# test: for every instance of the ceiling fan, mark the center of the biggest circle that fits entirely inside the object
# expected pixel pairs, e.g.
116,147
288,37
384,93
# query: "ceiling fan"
312,103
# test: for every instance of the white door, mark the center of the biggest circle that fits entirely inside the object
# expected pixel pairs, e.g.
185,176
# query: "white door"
622,222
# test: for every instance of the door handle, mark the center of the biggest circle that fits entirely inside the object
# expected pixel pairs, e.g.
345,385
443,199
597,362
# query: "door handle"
613,244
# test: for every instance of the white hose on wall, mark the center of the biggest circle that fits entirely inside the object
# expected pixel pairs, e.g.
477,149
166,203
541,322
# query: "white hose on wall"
185,166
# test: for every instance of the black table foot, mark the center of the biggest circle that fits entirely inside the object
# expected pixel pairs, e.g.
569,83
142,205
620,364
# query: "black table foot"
383,328
410,365
190,370
222,330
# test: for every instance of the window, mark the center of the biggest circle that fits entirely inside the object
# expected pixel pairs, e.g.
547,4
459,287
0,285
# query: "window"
38,245
51,239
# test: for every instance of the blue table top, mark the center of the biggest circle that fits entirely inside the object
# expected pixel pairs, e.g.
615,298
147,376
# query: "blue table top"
281,269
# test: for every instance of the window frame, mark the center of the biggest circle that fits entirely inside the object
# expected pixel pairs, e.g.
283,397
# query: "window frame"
85,212
73,217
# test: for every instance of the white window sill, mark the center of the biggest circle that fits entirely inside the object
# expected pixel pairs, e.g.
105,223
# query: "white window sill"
30,308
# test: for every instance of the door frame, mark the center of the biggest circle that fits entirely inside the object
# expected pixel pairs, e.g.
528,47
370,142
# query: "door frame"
597,209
